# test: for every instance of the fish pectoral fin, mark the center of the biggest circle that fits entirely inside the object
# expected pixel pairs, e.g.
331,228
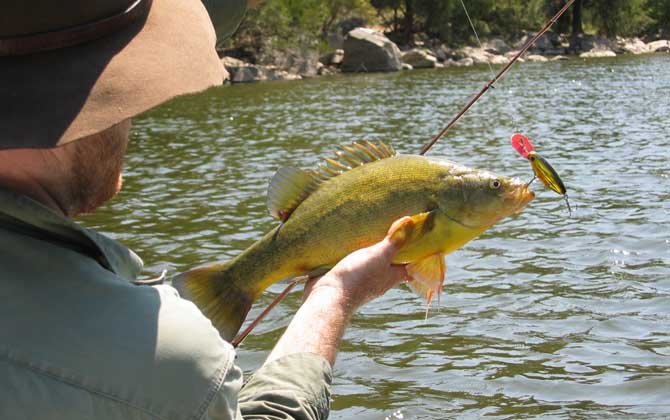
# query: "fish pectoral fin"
288,188
424,222
427,277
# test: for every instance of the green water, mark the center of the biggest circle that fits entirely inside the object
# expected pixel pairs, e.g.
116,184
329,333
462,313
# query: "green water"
545,315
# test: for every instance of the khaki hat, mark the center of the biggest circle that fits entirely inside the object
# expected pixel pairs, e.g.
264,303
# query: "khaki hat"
72,68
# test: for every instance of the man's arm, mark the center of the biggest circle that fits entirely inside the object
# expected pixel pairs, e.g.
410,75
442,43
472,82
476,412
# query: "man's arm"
331,301
294,382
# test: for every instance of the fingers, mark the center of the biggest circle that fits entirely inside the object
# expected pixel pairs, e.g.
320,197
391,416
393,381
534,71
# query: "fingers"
397,235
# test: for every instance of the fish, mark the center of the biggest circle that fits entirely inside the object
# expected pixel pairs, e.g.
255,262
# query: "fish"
348,202
541,167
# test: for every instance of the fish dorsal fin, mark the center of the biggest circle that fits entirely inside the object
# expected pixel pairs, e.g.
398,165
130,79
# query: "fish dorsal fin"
350,157
288,188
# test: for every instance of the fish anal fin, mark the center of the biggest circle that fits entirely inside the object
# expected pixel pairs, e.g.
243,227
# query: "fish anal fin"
288,188
427,277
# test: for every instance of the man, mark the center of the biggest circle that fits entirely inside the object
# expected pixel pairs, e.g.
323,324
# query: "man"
77,339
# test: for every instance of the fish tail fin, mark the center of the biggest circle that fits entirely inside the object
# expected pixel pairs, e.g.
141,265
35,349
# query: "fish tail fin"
222,299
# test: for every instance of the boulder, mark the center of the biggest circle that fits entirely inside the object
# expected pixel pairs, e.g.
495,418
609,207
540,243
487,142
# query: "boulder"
464,62
406,66
632,45
333,58
597,53
369,50
559,58
232,62
554,51
536,58
300,62
587,43
548,41
338,56
251,73
478,55
498,59
419,58
659,46
496,46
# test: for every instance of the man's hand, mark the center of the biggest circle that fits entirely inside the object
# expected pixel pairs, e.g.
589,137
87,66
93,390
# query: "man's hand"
367,273
331,301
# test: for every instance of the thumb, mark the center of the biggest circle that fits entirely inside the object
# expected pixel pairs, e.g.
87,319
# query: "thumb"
397,235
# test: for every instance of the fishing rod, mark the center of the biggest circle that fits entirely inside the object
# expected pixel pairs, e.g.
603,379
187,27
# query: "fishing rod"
497,77
238,340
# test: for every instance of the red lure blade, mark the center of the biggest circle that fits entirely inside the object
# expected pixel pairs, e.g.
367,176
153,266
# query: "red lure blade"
522,145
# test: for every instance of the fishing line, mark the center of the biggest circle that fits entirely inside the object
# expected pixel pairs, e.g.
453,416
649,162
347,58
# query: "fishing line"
497,77
481,46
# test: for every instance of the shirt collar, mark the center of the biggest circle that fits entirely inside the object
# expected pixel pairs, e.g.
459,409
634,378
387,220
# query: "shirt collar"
27,216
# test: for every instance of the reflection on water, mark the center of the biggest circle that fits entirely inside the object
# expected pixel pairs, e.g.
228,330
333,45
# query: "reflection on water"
543,315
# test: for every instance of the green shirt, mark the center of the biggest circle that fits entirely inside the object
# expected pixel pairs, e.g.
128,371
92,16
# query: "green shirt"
78,340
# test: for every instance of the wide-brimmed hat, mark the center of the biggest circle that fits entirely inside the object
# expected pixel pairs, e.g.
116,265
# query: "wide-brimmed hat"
72,68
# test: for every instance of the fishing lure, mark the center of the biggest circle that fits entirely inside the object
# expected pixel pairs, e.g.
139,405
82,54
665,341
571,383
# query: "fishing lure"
541,168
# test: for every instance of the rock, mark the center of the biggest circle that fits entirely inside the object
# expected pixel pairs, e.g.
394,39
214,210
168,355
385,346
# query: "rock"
441,52
247,74
632,45
369,50
419,58
536,58
326,71
587,43
251,73
598,53
659,46
332,58
338,56
559,58
406,66
478,55
554,51
496,46
498,59
464,62
548,41
300,62
232,62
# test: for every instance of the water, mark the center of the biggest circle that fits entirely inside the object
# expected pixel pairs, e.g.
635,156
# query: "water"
545,315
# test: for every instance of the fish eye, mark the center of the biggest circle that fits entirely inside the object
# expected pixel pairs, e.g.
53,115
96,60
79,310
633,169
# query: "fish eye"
495,184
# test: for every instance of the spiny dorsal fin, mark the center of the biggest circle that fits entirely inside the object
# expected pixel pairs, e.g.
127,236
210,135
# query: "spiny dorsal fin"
291,186
288,188
350,157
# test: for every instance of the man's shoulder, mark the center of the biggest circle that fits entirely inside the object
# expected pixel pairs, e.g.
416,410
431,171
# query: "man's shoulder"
137,348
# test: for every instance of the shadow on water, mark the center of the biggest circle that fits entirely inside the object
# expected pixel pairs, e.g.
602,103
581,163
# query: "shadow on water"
545,314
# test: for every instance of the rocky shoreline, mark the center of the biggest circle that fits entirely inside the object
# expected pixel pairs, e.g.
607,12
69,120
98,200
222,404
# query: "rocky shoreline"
366,50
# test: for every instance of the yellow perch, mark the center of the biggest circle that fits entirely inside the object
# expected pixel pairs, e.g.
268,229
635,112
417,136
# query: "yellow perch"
348,203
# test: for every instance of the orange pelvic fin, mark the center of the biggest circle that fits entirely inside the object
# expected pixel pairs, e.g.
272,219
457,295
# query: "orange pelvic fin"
427,278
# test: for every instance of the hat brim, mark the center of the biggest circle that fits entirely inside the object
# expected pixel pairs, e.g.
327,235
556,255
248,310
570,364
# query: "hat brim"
52,98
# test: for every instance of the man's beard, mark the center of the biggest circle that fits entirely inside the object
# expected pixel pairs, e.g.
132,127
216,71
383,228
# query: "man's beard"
97,167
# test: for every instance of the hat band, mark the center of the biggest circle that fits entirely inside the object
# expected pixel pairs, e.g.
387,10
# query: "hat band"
46,41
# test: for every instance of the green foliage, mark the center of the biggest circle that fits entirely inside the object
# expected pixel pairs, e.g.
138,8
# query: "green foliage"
659,12
306,23
620,17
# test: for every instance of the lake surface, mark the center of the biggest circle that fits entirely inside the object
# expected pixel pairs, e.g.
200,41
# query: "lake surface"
546,315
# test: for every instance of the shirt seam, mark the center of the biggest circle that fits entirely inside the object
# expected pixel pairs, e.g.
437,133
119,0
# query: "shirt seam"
73,383
219,376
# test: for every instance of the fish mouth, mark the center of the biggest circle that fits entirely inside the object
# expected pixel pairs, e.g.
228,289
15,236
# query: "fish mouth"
519,197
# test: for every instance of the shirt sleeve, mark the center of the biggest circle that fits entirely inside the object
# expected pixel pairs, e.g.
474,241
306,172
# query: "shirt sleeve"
296,386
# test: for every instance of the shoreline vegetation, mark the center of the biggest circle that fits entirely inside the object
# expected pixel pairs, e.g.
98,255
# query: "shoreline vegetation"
295,39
